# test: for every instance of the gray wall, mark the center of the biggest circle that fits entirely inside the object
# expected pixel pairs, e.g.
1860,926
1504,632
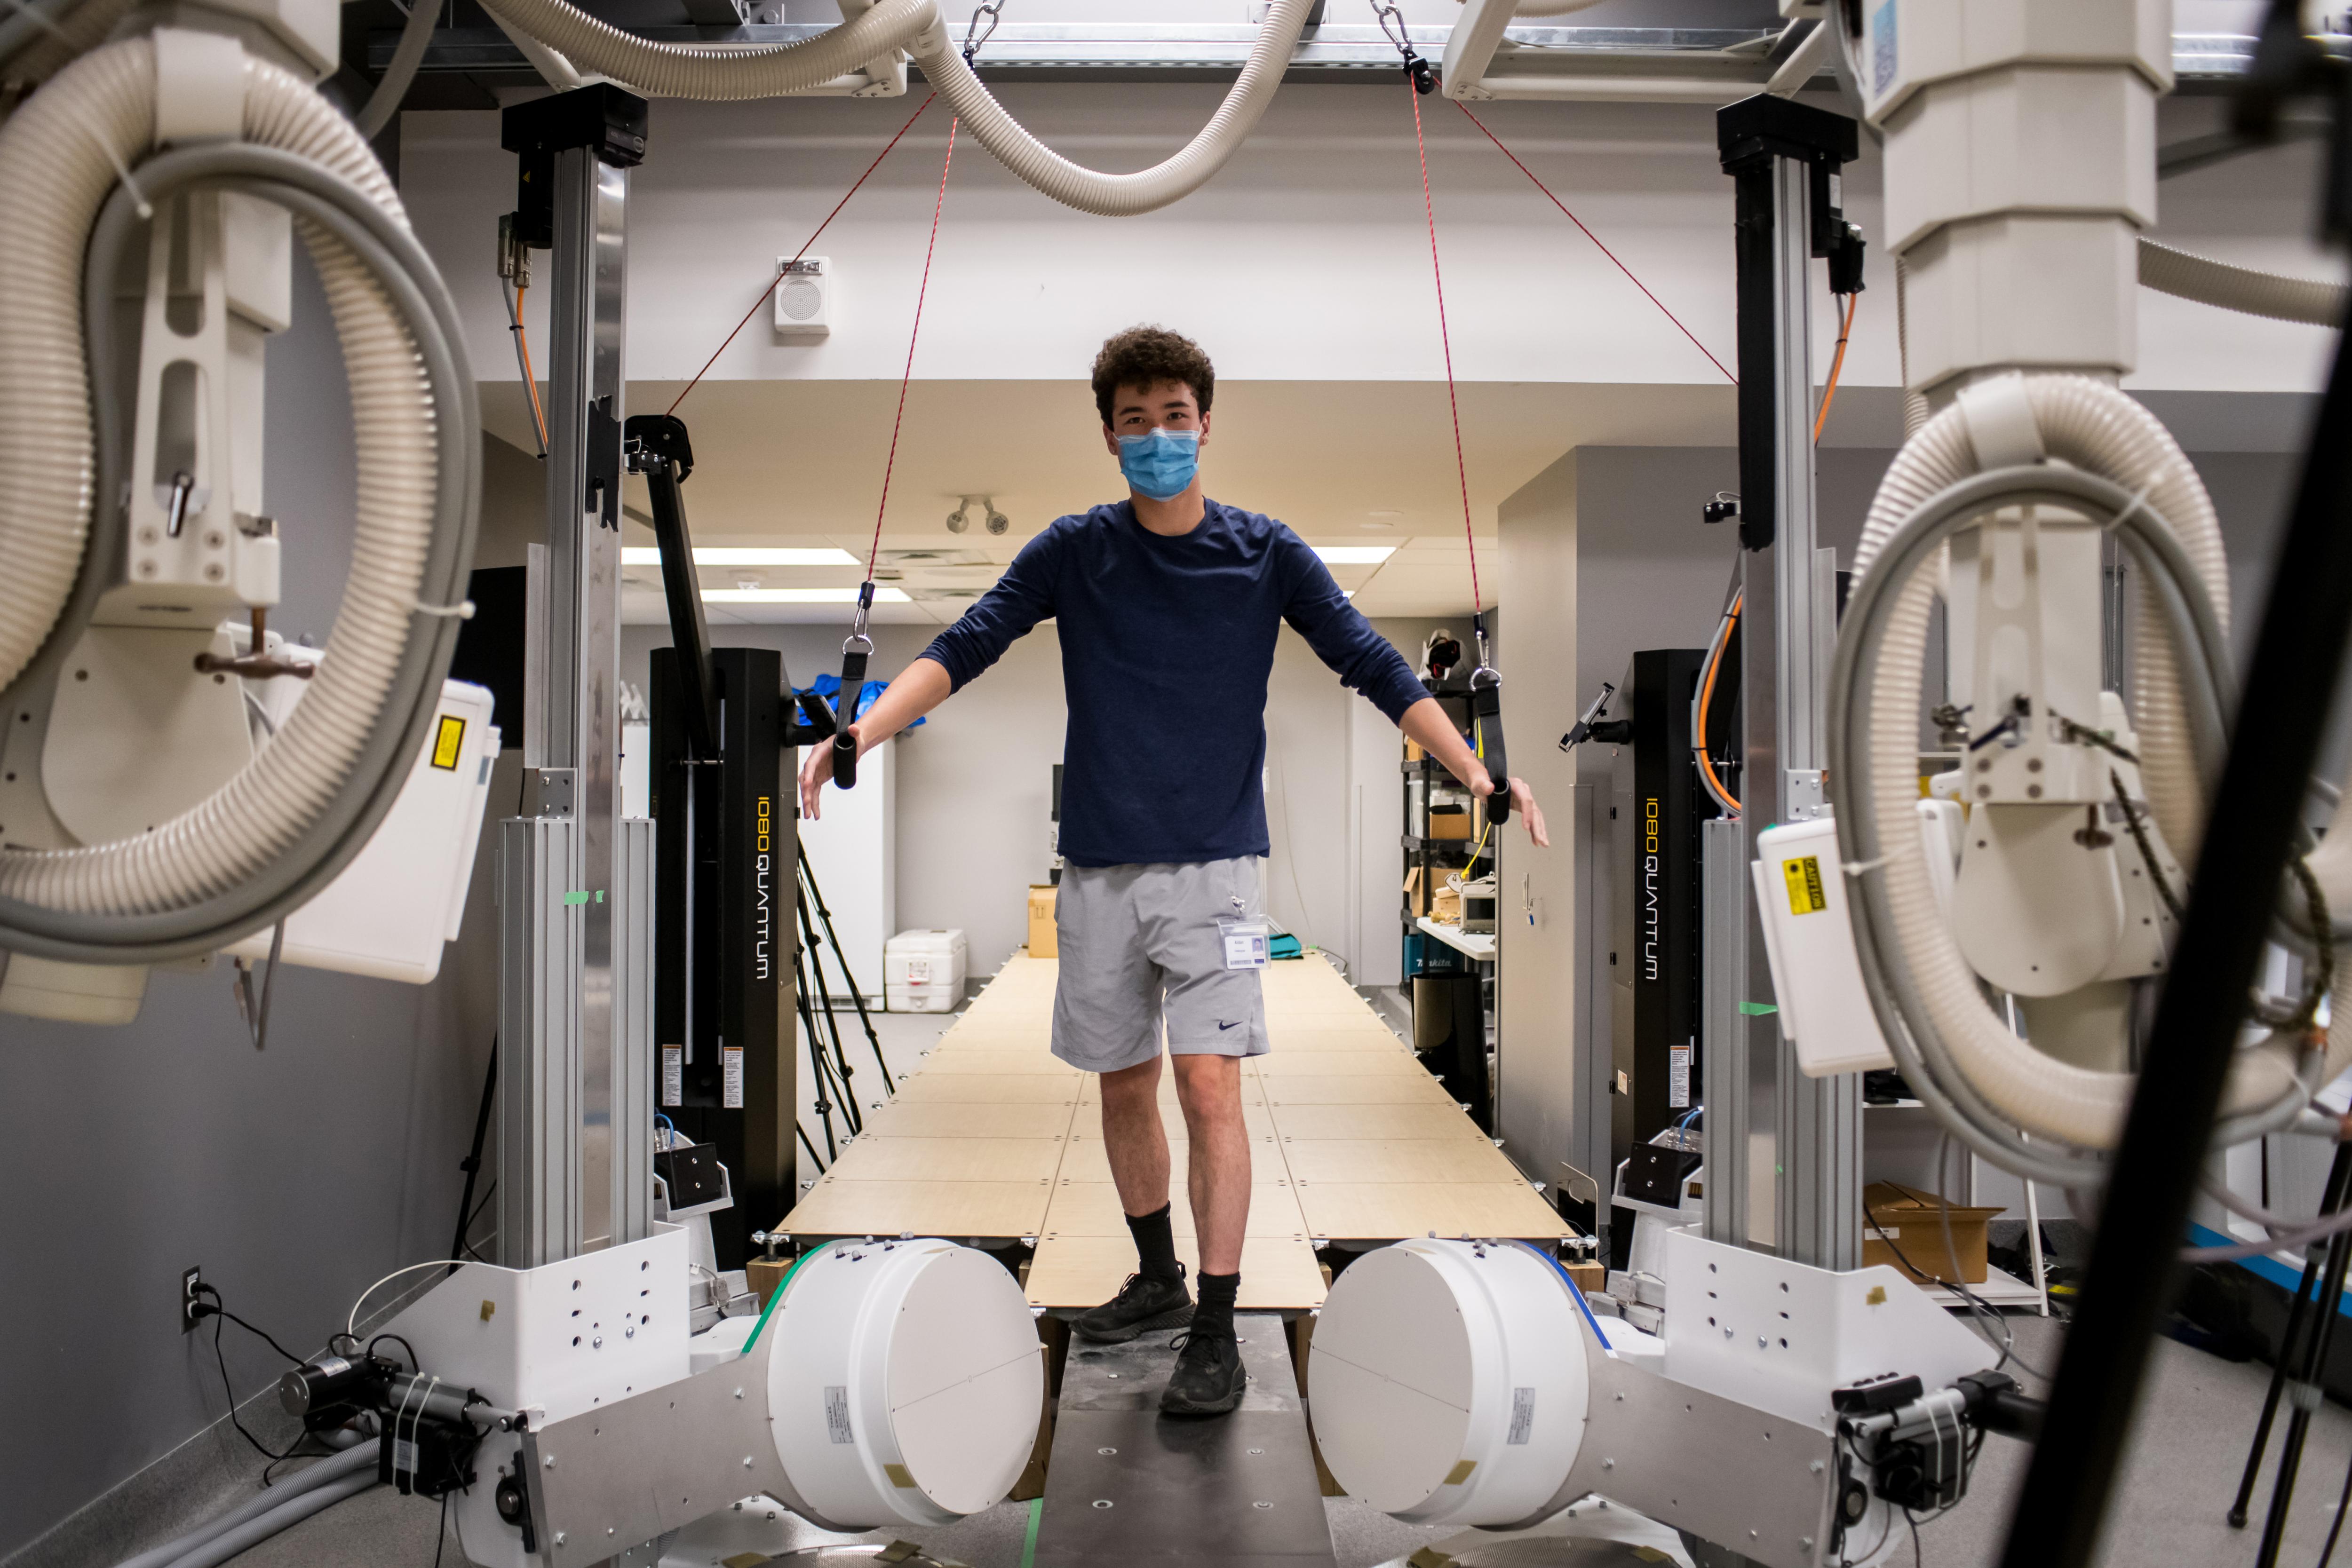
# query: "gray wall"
293,1177
1540,919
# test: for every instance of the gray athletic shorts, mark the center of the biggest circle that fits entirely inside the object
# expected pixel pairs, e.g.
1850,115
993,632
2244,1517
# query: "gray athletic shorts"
1140,943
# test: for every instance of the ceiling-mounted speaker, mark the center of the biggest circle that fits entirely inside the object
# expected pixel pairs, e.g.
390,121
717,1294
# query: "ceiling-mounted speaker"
803,297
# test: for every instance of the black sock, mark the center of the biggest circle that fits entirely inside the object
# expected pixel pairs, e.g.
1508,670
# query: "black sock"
1214,1313
1155,1244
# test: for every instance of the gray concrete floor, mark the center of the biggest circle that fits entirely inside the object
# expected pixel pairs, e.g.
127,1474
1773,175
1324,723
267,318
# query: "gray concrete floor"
2179,1475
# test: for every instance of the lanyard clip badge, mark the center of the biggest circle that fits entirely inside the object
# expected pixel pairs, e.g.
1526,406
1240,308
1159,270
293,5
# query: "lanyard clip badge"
1486,717
855,650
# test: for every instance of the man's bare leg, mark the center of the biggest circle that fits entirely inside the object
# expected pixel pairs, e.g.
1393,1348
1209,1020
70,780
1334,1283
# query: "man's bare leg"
1209,1379
1155,1296
1133,1138
1210,1090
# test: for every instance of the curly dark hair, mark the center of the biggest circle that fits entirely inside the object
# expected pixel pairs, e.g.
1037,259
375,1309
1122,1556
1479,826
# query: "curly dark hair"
1147,356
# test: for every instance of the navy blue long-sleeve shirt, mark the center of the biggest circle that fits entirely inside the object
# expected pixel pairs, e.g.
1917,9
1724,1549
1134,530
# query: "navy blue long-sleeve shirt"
1167,643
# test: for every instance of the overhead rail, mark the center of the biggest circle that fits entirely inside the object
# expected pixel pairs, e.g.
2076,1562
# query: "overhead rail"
1161,51
1712,65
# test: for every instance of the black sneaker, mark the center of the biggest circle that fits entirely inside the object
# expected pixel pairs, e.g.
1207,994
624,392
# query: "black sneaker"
1209,1377
1143,1303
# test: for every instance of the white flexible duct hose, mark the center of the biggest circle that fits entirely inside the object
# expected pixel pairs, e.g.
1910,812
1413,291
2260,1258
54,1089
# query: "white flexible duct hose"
2240,288
415,36
678,71
553,68
1124,196
673,71
2093,426
53,175
58,159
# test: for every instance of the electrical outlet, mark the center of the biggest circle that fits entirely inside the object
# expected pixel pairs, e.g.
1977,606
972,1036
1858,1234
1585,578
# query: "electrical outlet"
190,1279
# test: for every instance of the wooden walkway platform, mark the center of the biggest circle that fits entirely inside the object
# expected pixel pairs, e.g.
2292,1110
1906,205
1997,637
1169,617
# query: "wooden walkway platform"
1352,1140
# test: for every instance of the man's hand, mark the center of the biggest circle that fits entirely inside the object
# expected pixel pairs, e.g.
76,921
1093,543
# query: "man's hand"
1523,801
816,767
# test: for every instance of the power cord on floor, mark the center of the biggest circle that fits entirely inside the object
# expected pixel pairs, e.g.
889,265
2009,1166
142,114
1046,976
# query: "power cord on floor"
220,1309
219,1312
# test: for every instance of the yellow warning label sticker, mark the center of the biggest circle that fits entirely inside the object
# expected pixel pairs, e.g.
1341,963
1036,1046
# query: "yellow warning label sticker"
1803,873
448,741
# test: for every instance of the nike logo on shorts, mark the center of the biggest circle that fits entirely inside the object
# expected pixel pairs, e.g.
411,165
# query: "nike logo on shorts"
1222,1026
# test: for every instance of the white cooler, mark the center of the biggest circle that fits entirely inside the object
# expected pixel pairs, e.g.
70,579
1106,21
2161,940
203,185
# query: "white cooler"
923,971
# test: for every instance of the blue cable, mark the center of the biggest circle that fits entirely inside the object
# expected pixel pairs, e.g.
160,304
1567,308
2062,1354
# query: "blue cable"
1575,1291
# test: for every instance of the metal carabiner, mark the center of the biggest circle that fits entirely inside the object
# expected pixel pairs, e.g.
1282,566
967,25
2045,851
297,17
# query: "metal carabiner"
1424,79
993,10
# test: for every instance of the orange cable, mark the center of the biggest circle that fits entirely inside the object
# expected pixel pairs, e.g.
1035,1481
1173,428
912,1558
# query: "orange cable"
1707,693
1829,391
530,380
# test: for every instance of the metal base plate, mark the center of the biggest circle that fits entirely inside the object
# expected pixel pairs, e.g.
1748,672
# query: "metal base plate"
1129,1485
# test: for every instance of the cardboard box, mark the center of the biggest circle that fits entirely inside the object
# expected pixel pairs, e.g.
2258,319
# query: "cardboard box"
1416,890
1445,906
1445,825
1412,751
1905,1219
1042,944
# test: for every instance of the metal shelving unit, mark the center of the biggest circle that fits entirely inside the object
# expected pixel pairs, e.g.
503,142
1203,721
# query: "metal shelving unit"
1450,969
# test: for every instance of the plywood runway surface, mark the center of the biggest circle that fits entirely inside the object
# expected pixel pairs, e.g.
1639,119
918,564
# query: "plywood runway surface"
1351,1140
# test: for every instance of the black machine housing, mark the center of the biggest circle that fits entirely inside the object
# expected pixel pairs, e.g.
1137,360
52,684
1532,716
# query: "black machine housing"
1656,804
727,837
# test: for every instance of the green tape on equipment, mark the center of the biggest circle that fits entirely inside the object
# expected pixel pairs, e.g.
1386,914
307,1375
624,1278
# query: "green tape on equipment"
1029,1545
1757,1009
776,1297
573,898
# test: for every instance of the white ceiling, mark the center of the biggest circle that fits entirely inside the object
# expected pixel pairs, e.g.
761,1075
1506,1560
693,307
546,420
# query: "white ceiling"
800,462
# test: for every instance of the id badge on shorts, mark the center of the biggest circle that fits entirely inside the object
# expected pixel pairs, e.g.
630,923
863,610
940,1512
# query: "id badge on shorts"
1245,943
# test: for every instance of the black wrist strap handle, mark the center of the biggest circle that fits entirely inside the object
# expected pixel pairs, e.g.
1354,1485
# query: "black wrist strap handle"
854,651
1487,714
845,745
1486,708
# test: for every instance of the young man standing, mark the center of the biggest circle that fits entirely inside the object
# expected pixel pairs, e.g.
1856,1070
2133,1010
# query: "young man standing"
1169,605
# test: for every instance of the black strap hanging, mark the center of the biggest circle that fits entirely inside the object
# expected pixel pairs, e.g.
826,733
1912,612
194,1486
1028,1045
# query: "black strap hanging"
856,648
1486,715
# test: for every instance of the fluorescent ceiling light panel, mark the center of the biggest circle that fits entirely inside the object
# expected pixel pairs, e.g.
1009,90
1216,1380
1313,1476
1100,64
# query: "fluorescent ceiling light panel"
732,555
799,595
1351,555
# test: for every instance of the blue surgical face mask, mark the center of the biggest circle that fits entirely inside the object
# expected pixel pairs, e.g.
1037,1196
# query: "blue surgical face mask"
1160,463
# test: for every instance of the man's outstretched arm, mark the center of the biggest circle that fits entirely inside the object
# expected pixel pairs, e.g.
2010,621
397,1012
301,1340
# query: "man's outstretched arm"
1365,662
1426,722
920,687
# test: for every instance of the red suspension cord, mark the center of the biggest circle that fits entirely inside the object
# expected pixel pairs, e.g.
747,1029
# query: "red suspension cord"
1595,238
1461,466
771,288
939,206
